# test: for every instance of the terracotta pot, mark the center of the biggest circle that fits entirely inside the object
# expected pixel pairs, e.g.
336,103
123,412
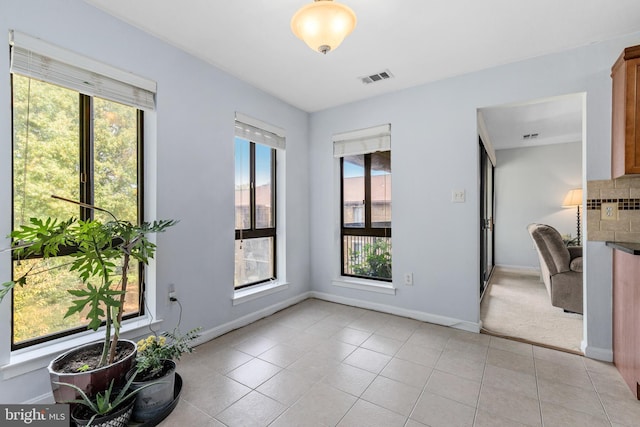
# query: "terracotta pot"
92,381
154,399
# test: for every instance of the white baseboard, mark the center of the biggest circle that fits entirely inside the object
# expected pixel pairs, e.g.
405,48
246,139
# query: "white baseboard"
212,333
526,268
43,399
398,311
208,334
603,354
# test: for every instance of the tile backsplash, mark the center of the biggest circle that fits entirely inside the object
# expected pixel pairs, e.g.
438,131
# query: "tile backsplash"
625,192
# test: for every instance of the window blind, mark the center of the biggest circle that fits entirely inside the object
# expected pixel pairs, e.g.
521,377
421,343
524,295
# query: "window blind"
35,58
260,132
363,141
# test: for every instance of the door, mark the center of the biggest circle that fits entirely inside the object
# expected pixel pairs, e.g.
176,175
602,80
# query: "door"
486,218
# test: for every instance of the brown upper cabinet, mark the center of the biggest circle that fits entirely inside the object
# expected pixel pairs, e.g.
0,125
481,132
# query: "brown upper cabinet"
625,124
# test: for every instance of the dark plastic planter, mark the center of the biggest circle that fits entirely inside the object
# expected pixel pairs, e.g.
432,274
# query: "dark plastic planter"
153,400
118,418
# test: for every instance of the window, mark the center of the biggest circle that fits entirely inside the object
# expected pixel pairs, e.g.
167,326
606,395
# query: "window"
255,205
365,176
77,144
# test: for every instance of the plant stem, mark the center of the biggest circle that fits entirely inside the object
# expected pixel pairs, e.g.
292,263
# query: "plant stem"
85,205
116,335
108,322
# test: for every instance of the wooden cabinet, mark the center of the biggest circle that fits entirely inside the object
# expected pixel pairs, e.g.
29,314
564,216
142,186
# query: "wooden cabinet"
626,317
625,125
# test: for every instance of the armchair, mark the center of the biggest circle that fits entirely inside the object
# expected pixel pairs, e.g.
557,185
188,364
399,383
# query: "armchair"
561,267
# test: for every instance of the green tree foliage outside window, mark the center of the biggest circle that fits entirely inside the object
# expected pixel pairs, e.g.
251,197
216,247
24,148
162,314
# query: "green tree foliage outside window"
46,161
373,260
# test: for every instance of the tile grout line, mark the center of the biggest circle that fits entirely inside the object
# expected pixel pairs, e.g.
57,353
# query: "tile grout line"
424,387
484,370
451,339
604,408
408,417
535,371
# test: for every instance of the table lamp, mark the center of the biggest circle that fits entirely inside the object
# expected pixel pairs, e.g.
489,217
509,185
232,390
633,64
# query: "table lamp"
574,199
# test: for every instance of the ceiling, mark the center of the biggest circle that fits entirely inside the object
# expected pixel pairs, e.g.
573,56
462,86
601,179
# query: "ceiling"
546,121
418,41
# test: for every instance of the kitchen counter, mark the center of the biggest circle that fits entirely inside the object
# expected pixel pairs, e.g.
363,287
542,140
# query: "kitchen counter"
630,248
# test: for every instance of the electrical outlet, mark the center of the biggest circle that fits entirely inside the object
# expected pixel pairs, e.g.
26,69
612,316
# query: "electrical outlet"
609,211
408,279
172,296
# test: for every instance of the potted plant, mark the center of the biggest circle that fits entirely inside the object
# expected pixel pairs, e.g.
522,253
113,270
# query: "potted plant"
106,408
101,252
155,364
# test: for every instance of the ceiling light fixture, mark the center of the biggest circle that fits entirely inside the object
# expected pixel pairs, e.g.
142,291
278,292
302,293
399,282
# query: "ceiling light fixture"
323,24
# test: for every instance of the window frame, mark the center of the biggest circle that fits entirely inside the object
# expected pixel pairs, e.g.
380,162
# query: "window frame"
253,232
86,194
368,230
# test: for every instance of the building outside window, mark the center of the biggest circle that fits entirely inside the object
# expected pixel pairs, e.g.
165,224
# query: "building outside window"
365,177
80,146
255,205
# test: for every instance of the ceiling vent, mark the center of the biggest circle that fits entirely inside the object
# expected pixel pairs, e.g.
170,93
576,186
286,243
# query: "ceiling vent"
529,136
384,75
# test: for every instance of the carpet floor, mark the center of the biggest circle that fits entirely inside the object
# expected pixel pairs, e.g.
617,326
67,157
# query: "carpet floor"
517,305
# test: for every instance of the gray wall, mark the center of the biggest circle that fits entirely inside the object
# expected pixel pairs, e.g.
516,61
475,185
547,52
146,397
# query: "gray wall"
190,152
434,146
434,151
530,185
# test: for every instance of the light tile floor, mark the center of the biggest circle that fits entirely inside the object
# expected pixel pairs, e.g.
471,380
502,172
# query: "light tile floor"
324,364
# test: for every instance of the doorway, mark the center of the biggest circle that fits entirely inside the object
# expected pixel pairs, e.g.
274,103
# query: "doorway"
536,150
486,217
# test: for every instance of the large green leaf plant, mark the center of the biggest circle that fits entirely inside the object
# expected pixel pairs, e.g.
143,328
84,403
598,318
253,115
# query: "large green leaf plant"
101,252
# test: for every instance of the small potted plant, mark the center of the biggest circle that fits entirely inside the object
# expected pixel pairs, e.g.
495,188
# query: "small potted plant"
106,408
155,361
101,252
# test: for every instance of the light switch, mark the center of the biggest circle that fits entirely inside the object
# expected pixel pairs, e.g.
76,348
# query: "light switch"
609,211
457,196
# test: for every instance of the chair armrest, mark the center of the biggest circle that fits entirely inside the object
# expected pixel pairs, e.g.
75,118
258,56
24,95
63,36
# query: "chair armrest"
576,264
575,251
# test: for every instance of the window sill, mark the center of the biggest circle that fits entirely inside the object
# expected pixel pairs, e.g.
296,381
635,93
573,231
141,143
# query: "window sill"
258,291
365,285
39,356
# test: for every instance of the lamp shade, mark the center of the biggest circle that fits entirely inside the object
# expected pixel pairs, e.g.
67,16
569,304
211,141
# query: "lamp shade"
323,24
573,198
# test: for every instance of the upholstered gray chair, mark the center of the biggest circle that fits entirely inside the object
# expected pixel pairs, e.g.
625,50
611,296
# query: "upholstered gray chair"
561,267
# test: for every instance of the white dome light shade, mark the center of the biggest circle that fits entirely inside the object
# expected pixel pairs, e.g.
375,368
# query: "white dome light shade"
323,25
